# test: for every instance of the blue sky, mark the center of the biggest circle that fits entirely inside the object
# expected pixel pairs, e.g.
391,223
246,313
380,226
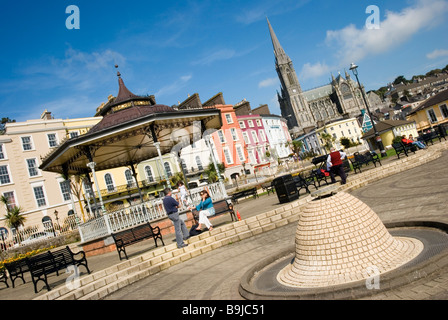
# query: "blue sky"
175,48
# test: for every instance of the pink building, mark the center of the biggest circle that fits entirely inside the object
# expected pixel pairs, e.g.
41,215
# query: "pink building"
228,142
256,140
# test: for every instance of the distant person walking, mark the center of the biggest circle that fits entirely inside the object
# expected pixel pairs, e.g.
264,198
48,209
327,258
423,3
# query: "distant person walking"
171,208
334,163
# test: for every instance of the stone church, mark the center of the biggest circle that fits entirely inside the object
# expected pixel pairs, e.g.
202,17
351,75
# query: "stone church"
306,110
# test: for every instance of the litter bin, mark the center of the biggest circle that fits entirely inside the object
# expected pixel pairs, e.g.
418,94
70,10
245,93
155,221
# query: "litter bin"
285,188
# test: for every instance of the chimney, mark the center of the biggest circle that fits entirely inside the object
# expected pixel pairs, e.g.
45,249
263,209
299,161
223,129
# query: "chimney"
46,115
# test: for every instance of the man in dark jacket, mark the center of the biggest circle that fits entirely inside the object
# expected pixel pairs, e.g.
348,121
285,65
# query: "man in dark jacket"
180,228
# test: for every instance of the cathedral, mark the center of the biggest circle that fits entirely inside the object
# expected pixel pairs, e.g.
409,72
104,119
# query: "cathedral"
306,110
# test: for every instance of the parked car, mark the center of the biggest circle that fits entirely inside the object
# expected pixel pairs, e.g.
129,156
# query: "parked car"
38,236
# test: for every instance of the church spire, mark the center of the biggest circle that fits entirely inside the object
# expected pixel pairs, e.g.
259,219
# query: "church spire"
280,54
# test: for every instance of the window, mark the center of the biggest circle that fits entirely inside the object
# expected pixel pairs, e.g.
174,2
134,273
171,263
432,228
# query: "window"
149,174
168,169
129,178
32,167
251,123
27,144
246,138
199,163
254,136
239,150
221,136
74,134
109,182
431,116
262,135
10,200
444,111
65,190
259,122
4,175
184,165
234,134
242,125
229,118
252,156
52,140
227,155
40,196
2,152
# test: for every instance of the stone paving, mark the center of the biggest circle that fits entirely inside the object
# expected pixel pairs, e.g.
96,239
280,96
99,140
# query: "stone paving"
214,263
415,194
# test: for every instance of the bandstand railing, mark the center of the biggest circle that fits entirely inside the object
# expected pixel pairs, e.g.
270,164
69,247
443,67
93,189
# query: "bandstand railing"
147,211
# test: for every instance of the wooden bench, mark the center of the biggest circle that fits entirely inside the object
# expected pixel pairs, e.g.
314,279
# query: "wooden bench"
130,236
400,148
268,187
4,277
364,159
221,207
16,270
244,194
43,264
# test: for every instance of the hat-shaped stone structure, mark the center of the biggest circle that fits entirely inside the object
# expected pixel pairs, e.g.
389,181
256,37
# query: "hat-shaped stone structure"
339,240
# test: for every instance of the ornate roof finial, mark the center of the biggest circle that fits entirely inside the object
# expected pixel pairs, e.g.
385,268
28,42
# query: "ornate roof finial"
118,72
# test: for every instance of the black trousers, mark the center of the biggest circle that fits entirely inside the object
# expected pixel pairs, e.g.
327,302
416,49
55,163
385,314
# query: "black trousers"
339,170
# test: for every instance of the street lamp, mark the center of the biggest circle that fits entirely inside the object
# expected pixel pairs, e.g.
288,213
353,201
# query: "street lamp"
354,69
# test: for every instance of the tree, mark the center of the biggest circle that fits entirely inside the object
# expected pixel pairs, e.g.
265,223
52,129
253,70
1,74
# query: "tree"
329,139
295,145
211,172
399,80
345,142
4,121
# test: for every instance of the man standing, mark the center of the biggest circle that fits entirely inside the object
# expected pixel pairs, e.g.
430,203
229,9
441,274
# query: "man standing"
334,162
180,228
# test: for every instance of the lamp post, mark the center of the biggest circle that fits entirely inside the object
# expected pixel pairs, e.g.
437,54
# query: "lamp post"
57,219
354,69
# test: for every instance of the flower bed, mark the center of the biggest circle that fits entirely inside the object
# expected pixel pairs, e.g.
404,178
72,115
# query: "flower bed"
23,256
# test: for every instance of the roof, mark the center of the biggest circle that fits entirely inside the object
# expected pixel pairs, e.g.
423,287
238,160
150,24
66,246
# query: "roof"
438,98
384,126
317,93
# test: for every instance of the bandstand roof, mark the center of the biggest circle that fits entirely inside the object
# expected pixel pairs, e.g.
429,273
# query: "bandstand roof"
125,134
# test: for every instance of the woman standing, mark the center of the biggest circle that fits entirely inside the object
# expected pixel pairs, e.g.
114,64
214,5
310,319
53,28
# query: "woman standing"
205,209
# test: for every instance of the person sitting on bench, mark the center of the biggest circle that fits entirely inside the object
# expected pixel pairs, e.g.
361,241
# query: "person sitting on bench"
411,139
205,209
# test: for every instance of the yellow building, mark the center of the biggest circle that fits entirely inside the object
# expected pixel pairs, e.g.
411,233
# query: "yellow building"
388,130
431,113
346,128
40,194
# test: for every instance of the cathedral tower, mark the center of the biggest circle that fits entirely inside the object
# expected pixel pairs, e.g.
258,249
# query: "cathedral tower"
293,105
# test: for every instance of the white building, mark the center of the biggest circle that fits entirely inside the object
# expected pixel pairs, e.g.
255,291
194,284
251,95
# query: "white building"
348,128
277,133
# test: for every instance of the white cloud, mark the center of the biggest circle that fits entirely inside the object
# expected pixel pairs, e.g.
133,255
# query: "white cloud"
174,87
316,70
223,54
437,54
270,82
353,44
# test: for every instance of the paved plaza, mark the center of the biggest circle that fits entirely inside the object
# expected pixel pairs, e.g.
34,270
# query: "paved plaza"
417,194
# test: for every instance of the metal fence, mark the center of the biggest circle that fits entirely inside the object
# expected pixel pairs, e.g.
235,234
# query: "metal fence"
147,211
38,233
